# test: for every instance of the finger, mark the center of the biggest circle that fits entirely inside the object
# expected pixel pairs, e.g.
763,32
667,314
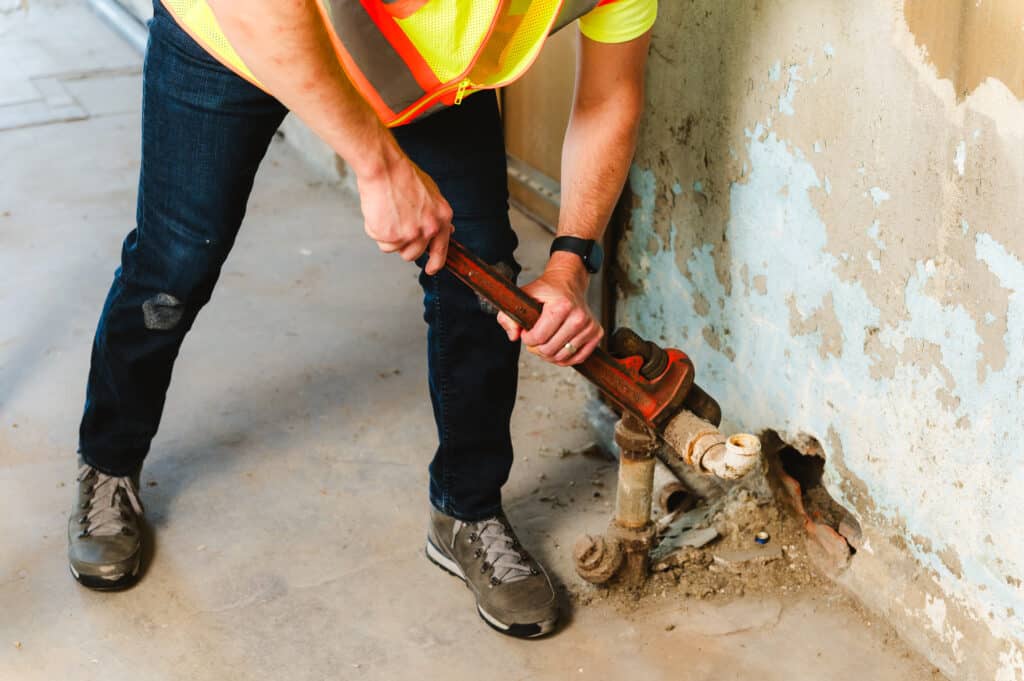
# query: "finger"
438,249
511,328
575,323
552,315
568,351
413,250
585,352
389,246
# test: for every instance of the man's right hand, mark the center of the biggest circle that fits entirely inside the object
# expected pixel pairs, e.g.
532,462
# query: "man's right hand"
404,212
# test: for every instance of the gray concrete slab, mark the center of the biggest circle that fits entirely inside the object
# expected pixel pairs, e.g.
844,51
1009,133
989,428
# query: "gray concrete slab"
287,487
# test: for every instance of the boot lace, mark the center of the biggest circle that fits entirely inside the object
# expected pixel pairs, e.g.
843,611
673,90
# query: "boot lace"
109,499
500,550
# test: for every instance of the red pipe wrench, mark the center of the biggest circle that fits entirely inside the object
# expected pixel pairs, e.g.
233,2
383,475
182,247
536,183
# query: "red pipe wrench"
643,379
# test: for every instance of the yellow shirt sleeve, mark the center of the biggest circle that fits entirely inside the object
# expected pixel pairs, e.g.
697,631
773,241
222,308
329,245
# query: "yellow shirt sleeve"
619,21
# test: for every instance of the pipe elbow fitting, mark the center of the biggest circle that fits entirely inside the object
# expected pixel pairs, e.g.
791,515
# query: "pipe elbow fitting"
738,457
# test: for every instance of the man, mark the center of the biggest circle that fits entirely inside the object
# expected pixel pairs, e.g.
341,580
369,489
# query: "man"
391,86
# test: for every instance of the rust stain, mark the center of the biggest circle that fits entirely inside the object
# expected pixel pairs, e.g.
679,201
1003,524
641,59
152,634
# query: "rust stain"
969,41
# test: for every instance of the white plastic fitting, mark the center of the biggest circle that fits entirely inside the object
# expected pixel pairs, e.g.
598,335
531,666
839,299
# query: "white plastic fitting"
739,456
703,447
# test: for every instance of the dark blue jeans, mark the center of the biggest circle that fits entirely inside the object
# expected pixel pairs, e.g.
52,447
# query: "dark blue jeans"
204,132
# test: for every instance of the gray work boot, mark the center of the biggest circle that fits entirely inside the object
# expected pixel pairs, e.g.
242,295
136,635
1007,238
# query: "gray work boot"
513,594
105,530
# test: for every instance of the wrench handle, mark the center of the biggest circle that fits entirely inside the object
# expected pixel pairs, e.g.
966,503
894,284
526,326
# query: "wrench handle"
492,285
611,375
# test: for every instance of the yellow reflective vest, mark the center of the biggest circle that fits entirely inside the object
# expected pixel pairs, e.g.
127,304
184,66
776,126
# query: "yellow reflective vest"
411,57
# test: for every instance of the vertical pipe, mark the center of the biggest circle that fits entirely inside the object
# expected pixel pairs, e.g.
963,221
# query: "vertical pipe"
632,528
633,497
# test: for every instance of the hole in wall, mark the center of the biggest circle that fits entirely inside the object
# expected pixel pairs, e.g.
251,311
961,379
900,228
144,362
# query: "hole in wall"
809,470
797,470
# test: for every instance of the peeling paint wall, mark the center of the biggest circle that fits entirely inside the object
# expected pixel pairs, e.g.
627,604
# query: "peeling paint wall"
833,231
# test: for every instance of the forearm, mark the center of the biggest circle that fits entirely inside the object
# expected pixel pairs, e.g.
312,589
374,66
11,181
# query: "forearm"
286,46
596,155
598,149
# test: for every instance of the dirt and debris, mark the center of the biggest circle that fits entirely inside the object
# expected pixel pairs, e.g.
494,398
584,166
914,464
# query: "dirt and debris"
734,564
712,553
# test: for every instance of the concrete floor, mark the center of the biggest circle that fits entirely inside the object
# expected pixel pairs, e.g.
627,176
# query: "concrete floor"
287,486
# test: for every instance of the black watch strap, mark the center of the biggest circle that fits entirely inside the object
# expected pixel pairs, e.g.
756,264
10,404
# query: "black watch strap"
588,250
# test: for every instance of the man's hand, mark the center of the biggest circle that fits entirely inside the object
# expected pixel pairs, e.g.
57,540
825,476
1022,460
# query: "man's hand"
404,212
566,332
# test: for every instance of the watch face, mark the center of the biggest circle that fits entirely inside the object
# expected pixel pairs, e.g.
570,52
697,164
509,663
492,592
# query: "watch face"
596,258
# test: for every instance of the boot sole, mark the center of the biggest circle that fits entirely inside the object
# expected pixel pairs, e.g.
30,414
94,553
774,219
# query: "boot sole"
438,558
101,584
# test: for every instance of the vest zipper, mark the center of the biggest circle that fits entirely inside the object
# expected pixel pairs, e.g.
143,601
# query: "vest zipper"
461,91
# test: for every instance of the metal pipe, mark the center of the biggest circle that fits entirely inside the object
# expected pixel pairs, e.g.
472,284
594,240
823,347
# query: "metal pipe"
702,447
622,554
671,493
635,491
122,21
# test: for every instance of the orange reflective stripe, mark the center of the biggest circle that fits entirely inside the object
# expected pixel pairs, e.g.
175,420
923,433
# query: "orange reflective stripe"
384,21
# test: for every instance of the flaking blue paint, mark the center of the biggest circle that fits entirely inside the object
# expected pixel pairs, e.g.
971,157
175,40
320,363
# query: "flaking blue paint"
920,464
878,195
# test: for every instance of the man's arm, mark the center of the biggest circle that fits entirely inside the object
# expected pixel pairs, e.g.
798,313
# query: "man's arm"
598,148
286,46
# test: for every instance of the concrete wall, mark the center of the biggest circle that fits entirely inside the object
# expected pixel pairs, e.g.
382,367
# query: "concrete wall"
831,226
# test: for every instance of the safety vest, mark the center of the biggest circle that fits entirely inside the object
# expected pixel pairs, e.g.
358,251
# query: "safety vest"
412,57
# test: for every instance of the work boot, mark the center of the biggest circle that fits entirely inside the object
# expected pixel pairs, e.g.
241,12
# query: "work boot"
105,530
513,593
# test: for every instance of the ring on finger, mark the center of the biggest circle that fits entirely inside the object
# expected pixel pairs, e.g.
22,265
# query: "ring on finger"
570,348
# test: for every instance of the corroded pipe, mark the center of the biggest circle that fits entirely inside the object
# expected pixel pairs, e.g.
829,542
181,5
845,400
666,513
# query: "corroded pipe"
702,447
621,554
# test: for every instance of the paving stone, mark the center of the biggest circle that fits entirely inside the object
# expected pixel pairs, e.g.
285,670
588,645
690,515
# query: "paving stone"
103,95
16,88
54,92
37,112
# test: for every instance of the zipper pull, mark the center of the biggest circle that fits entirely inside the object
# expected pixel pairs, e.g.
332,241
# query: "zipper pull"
461,92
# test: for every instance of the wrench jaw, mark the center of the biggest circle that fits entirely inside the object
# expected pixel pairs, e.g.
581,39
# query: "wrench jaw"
665,378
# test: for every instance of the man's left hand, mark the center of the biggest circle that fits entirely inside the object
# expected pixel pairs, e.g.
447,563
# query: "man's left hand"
566,332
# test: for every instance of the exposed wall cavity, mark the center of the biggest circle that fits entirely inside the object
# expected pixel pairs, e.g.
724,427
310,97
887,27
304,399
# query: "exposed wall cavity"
832,230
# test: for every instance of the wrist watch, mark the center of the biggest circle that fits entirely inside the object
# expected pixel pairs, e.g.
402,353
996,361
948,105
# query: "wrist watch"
589,251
